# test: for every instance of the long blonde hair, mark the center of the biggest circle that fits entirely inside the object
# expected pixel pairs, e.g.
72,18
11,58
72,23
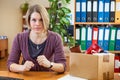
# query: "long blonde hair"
42,11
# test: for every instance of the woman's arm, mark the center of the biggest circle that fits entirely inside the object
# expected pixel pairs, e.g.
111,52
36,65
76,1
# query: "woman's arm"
15,53
21,68
59,64
57,67
59,61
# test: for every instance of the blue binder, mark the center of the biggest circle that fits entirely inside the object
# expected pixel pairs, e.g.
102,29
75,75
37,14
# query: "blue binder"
78,11
83,10
106,38
89,37
107,11
100,36
100,10
117,43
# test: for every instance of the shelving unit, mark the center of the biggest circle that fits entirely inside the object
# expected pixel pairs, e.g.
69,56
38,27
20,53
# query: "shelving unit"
116,52
3,48
24,25
93,23
97,23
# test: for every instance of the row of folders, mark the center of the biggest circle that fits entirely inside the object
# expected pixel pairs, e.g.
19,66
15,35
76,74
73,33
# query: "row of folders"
107,37
98,11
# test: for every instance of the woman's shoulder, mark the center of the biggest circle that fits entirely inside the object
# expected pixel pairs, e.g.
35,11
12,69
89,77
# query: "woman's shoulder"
22,34
53,34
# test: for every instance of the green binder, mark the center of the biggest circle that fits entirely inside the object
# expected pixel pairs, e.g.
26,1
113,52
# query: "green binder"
112,38
83,38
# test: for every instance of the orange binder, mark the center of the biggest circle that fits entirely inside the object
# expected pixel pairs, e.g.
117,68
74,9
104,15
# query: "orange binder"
117,12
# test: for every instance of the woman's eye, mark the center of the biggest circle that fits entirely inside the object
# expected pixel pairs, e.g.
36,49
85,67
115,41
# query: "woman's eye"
34,20
40,20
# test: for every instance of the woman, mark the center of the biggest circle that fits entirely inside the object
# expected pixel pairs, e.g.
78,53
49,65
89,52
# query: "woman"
41,49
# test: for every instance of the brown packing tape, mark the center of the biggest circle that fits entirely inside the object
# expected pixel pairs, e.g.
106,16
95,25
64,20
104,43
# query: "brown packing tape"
106,58
106,76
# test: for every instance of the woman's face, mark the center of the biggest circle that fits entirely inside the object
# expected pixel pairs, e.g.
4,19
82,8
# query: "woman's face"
36,22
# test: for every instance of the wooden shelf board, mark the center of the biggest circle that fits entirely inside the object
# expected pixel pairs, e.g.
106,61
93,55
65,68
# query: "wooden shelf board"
115,52
97,23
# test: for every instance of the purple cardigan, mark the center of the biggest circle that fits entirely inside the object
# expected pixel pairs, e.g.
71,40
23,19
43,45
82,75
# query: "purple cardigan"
53,50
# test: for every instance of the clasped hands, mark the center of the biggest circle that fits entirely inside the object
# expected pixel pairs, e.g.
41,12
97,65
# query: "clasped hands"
42,61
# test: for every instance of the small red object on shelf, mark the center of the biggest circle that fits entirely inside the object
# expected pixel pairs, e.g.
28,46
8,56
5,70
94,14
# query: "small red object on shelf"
94,48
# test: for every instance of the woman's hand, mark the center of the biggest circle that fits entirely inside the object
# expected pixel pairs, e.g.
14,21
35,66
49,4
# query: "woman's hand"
21,68
42,60
27,66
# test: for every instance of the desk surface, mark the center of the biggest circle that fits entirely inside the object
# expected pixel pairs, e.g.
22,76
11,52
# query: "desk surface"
39,75
33,75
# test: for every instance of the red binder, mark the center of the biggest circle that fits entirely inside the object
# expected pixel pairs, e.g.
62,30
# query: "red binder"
116,66
95,35
119,61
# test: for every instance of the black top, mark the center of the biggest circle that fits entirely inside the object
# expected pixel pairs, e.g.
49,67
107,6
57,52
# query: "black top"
35,49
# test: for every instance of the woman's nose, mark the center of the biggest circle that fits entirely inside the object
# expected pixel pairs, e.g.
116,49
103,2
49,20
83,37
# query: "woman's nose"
37,22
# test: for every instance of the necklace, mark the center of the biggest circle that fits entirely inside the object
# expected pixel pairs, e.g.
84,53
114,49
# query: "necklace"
37,47
38,39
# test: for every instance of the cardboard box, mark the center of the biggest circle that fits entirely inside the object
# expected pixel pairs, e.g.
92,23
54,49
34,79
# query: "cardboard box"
92,67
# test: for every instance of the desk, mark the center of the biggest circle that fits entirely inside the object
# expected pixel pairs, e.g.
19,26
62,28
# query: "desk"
39,75
33,75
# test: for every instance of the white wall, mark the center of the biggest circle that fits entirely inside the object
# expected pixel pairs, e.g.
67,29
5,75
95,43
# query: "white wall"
11,16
